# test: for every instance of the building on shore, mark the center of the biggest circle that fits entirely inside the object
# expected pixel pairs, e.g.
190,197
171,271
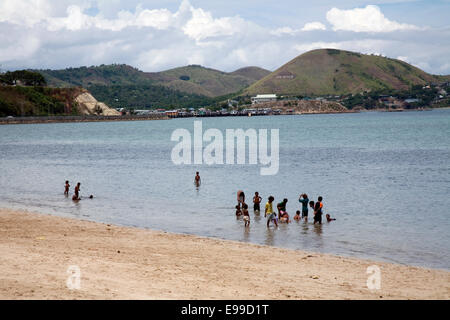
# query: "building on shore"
261,98
172,113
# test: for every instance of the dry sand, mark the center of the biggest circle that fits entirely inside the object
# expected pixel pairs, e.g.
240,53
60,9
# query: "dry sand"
128,263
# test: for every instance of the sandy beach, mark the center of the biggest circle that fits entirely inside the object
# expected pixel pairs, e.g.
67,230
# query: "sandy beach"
130,263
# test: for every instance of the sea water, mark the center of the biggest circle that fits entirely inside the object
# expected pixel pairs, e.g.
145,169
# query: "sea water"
385,177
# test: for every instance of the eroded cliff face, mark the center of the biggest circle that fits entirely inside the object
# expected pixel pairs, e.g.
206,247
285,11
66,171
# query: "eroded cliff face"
88,105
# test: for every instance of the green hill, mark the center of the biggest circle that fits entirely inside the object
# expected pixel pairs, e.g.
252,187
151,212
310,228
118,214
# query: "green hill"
89,76
252,73
337,72
125,86
210,82
194,79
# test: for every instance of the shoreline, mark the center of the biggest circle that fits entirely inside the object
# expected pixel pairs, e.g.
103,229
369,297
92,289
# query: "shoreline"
132,263
79,119
75,119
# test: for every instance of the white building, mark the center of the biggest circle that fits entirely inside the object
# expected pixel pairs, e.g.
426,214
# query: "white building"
261,98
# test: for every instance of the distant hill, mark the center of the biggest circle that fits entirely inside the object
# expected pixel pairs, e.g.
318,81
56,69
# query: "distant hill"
252,73
210,82
117,74
337,72
193,79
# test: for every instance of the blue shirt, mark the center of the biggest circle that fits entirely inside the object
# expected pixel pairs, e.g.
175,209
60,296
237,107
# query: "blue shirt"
304,203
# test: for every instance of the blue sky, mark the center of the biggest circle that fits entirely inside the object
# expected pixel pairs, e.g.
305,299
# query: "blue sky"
157,35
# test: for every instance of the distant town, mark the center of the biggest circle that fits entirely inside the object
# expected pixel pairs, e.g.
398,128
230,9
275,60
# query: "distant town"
419,97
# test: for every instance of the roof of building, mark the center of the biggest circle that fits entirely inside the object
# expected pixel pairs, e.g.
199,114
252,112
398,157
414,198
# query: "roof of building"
266,96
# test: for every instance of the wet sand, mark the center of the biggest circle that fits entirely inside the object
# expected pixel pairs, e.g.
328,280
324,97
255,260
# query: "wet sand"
130,263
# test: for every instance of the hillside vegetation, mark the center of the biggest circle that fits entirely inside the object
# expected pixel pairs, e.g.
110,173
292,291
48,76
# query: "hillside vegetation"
37,101
193,80
125,86
149,96
338,72
315,73
102,75
210,82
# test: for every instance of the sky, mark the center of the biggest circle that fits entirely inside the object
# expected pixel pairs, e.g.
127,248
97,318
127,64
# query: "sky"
156,35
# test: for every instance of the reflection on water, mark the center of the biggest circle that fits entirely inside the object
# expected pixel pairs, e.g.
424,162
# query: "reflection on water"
270,233
247,233
305,227
318,229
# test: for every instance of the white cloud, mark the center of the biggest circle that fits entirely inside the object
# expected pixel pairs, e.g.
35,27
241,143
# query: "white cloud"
304,47
311,26
76,19
403,58
18,46
71,33
202,25
368,19
283,31
196,23
366,46
24,12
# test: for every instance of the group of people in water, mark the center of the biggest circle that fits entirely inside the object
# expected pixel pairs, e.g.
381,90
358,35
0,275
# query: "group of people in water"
76,194
282,215
269,212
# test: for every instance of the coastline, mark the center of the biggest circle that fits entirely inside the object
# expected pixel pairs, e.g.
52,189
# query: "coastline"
72,119
65,119
131,263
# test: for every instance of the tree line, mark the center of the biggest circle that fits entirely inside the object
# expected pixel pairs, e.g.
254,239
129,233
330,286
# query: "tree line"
23,77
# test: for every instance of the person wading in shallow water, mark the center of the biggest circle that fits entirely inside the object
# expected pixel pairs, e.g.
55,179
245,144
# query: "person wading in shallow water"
66,188
303,199
240,197
269,214
318,211
76,196
256,203
197,180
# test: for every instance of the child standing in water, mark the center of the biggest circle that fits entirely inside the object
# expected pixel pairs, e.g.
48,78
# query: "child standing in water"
66,188
271,216
240,197
256,203
246,215
197,180
303,199
318,211
76,196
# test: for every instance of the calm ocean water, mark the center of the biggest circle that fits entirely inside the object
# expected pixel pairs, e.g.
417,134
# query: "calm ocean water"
385,177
